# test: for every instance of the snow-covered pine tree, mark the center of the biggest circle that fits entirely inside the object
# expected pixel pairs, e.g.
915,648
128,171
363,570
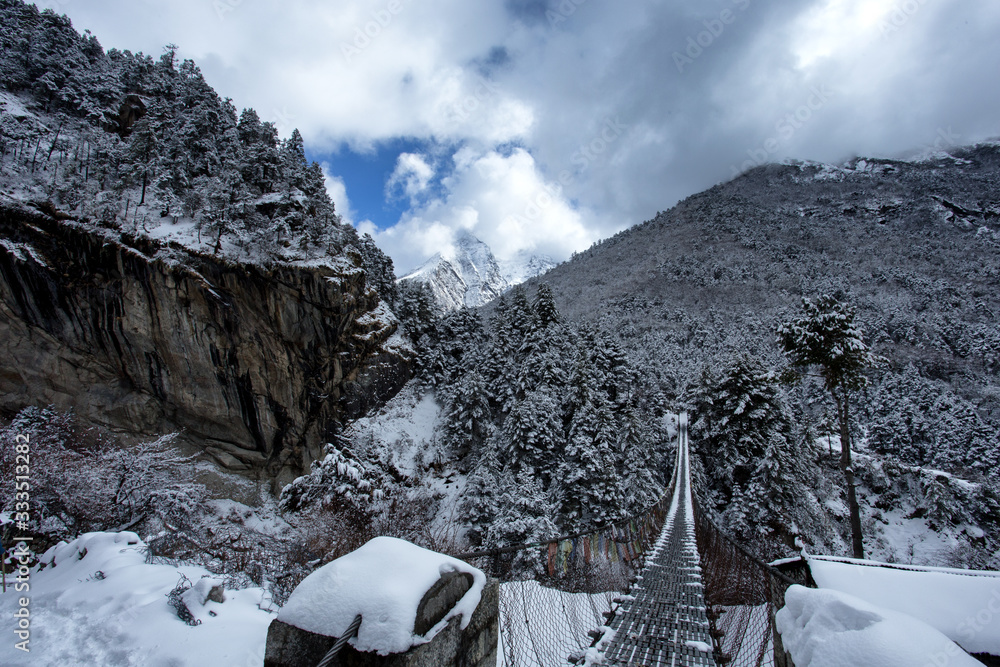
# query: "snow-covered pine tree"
766,502
734,417
635,450
498,363
826,336
520,317
261,163
532,436
542,358
614,375
939,502
902,423
481,497
589,489
961,438
460,336
522,517
416,310
467,420
545,307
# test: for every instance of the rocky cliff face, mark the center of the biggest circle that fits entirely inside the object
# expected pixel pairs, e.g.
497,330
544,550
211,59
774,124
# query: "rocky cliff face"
258,366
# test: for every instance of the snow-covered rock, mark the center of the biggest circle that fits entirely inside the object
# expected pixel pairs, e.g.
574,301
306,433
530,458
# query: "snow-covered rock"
964,605
302,347
826,628
385,582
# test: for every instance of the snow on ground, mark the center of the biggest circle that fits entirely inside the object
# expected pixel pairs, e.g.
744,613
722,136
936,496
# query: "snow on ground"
910,540
897,535
402,432
97,602
828,628
14,105
179,230
383,581
264,520
962,604
402,435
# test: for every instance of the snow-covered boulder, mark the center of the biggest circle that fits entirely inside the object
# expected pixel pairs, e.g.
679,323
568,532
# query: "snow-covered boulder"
406,596
206,589
964,605
826,628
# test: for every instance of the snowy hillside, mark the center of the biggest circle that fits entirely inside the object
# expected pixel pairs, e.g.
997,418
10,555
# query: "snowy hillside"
524,266
98,601
696,295
146,147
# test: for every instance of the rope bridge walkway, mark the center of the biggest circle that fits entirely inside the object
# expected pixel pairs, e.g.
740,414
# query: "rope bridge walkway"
694,595
663,620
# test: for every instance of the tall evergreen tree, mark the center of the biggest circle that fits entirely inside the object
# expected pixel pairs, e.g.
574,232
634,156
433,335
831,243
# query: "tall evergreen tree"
532,436
545,307
467,420
589,491
639,466
522,516
734,418
481,497
826,336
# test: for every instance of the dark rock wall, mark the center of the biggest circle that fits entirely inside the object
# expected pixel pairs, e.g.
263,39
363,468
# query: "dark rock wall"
258,366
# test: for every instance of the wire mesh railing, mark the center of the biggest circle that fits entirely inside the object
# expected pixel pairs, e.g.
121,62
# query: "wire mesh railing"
554,594
742,596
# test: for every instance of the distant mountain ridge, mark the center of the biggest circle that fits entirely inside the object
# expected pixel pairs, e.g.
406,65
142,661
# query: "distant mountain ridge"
470,275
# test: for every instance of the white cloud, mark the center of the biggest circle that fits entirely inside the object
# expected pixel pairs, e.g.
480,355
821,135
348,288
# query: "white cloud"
504,200
337,190
412,175
838,26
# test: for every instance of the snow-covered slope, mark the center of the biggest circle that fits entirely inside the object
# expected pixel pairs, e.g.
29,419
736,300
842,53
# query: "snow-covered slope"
827,628
524,266
96,601
468,274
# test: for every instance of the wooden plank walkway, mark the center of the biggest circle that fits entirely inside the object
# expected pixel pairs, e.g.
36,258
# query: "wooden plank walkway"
662,621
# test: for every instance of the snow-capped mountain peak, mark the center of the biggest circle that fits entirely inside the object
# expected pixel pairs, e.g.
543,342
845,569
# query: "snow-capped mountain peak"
468,274
524,266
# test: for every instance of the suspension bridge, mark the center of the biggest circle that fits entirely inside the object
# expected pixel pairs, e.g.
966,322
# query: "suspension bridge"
663,620
695,597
